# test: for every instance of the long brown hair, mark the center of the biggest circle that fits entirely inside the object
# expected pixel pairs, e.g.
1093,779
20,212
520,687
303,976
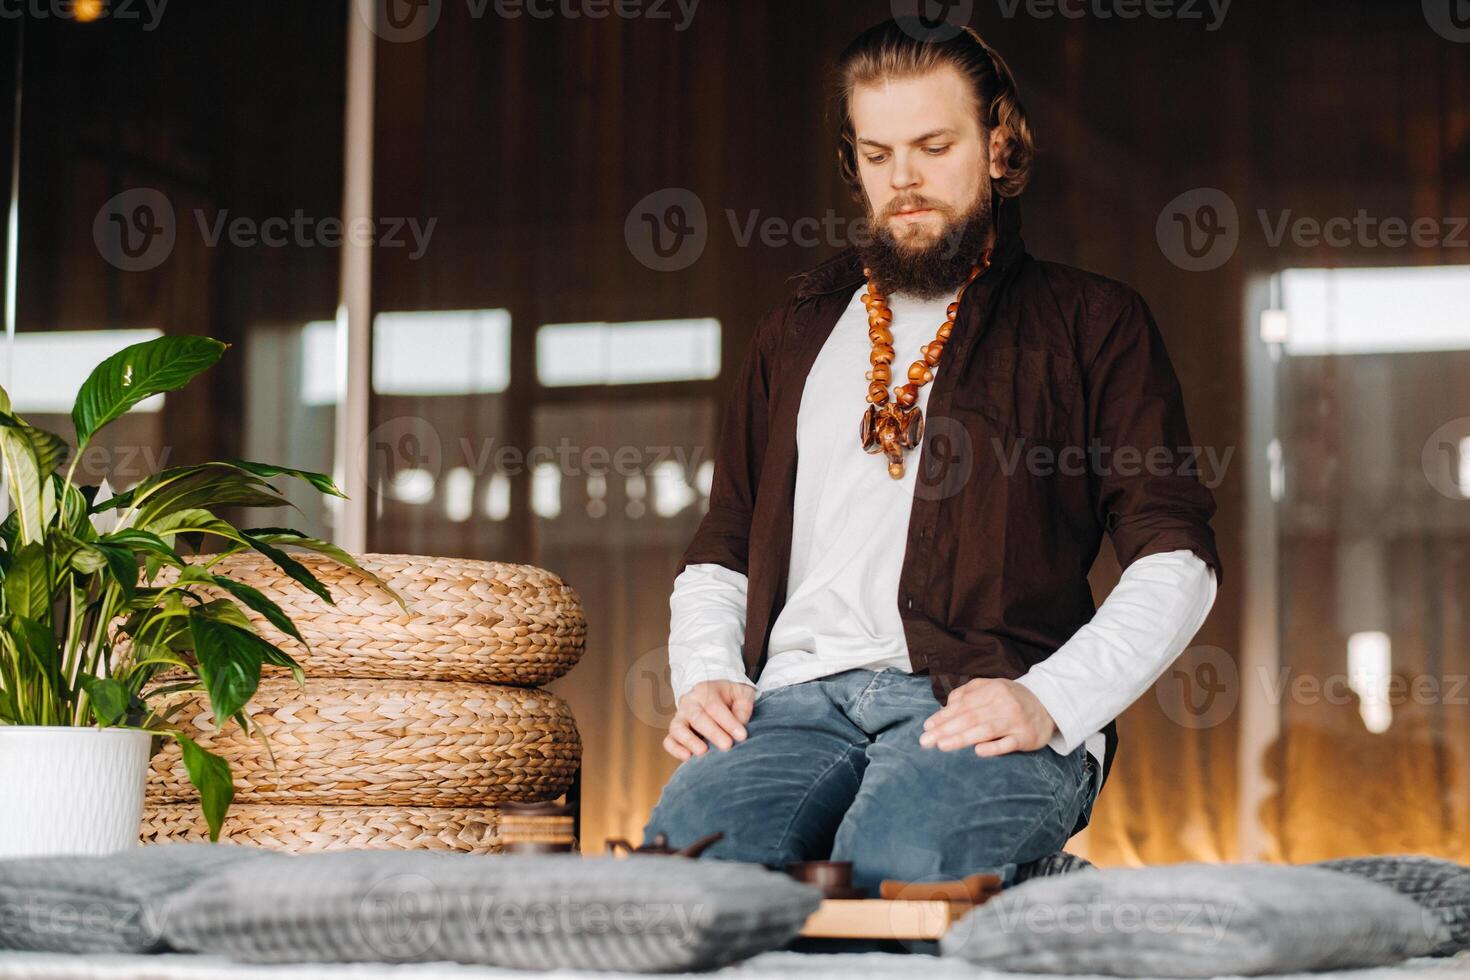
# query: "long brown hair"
888,50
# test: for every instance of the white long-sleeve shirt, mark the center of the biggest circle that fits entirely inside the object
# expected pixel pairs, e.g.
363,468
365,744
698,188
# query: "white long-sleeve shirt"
849,532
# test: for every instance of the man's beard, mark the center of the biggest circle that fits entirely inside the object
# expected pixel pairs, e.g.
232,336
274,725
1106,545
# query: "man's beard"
932,270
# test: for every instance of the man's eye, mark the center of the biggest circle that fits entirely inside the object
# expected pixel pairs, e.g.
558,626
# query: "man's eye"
935,151
877,158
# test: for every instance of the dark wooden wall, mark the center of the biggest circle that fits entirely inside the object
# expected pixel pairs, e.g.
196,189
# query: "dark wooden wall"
529,140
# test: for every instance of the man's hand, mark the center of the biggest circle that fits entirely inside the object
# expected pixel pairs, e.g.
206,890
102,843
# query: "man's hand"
716,710
994,715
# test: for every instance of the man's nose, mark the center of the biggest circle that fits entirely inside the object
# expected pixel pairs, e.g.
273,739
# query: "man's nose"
905,175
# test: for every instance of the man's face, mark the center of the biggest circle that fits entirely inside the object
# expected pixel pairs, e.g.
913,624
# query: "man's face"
920,153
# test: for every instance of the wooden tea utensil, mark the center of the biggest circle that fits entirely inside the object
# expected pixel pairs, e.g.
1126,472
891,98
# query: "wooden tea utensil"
660,845
834,878
975,889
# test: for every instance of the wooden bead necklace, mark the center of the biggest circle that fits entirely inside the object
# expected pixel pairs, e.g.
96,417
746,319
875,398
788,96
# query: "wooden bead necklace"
891,427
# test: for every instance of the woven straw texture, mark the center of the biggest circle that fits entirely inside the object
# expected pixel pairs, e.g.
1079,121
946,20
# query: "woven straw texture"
484,621
302,829
385,743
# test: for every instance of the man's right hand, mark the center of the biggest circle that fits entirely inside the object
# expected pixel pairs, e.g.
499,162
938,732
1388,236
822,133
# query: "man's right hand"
713,710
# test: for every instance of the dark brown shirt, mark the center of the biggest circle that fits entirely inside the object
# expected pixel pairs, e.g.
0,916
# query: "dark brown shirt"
1056,416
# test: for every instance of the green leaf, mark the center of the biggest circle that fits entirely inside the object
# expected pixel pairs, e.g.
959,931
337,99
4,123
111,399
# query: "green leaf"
122,562
261,603
36,644
134,373
10,530
23,474
71,551
74,506
321,481
138,540
211,776
50,449
27,585
229,662
290,566
110,699
295,539
184,483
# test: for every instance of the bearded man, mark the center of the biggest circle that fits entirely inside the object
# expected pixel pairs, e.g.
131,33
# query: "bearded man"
883,644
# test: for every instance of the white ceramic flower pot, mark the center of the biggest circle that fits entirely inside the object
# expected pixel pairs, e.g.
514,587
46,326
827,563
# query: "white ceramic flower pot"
70,790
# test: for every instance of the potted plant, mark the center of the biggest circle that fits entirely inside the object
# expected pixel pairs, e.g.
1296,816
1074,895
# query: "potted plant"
110,614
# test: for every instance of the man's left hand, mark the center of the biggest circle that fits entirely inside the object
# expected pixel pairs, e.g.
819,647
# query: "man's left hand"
994,715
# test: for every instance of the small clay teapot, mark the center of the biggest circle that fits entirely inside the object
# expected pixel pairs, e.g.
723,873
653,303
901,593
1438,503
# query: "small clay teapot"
660,845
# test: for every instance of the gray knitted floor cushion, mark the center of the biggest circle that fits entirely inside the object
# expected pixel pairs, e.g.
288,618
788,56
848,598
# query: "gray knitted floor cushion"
535,912
105,904
1194,920
1060,863
1441,886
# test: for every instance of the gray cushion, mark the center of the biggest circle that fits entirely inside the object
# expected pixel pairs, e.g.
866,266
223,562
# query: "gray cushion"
1060,863
539,912
1441,886
104,904
1194,920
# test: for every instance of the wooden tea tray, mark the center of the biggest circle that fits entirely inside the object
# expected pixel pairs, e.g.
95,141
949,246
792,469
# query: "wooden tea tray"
906,910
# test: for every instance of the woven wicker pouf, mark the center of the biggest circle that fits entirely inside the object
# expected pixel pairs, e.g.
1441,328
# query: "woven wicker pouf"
471,830
484,621
379,743
414,729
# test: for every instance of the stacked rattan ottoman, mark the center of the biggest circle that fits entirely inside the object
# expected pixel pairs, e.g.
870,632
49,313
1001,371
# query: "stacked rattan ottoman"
417,728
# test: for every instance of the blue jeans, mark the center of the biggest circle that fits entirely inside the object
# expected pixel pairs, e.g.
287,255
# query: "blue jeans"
832,768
